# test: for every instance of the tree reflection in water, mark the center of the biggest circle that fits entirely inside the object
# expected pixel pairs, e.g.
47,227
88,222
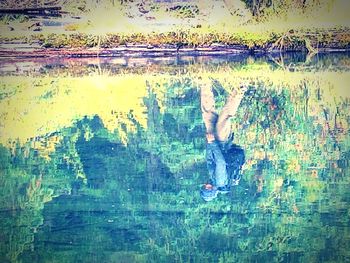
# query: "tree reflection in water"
114,176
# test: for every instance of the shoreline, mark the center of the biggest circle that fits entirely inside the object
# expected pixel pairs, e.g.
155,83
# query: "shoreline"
150,51
163,45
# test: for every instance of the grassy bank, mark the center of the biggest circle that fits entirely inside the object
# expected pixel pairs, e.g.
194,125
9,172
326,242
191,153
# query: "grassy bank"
290,40
313,28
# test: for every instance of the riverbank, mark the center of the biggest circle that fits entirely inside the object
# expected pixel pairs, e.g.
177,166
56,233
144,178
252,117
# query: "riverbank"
173,43
165,29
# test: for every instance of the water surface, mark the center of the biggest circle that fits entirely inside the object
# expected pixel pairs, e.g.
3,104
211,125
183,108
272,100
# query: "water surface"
102,160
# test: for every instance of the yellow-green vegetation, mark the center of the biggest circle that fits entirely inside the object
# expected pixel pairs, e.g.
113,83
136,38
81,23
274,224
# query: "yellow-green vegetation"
102,160
255,24
40,105
122,148
56,99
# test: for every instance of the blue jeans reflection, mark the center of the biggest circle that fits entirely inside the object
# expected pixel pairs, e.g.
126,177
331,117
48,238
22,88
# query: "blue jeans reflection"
224,159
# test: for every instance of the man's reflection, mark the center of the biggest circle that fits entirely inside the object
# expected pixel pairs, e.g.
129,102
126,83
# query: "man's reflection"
224,159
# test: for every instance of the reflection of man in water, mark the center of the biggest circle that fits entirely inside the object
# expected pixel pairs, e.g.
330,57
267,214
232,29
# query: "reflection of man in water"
224,159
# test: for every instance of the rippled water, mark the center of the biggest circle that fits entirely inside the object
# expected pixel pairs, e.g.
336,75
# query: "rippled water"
102,160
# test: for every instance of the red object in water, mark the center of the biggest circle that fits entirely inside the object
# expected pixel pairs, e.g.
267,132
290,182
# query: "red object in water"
208,186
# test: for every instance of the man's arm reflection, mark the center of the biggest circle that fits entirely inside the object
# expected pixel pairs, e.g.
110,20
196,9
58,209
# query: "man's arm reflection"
224,159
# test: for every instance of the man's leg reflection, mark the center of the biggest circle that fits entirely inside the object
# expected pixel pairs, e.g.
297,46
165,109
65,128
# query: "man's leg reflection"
218,136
